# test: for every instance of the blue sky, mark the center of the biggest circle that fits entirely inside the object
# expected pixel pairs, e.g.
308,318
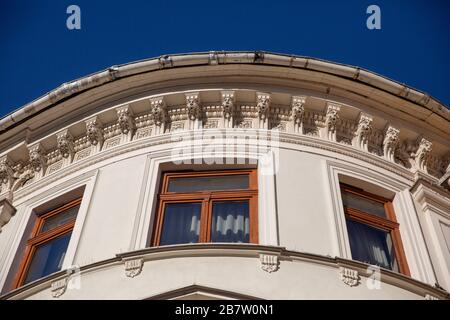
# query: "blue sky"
38,52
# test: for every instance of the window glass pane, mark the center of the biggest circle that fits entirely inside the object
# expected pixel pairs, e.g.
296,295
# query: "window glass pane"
230,222
60,218
371,245
370,206
48,258
181,223
190,184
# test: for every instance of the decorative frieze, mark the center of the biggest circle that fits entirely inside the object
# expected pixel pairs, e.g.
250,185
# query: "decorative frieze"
269,263
295,117
133,267
349,276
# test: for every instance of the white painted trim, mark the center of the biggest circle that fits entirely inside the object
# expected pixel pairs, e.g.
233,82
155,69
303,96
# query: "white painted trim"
413,241
38,198
144,218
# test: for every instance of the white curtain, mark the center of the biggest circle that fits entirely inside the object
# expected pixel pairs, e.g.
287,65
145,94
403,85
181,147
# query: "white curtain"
371,245
230,222
181,223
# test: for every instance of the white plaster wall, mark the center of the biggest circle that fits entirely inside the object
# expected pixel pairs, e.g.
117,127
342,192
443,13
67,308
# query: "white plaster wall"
303,212
294,280
109,222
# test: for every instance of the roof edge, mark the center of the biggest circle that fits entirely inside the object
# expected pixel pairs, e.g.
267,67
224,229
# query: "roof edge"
67,90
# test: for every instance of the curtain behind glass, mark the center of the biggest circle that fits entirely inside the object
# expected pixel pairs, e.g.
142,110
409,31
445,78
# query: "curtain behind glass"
181,223
371,245
230,222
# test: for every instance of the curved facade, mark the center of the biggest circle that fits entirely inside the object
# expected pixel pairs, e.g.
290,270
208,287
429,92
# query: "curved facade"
226,175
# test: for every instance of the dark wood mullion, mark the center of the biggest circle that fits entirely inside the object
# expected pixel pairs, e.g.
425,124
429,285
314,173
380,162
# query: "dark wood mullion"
207,198
43,237
371,219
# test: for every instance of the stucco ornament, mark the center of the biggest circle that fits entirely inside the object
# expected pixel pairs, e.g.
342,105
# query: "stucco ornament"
6,172
349,276
158,111
133,267
125,119
422,154
297,109
94,131
390,142
58,287
262,105
363,131
38,160
193,106
269,263
64,140
228,104
331,119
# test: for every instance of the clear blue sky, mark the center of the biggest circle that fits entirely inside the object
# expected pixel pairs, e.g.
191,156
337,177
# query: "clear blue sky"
38,52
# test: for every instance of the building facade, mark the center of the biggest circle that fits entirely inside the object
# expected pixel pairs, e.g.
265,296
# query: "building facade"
226,175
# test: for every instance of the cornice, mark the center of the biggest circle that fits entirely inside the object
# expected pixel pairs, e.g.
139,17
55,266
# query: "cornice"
233,250
114,73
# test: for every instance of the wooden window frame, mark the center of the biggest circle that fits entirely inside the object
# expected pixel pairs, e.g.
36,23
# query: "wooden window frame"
207,198
388,224
39,238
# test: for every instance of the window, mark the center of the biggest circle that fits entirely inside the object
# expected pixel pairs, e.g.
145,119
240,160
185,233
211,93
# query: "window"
373,230
45,251
214,206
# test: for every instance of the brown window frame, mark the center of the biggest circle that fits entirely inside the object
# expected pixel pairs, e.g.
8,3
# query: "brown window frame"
38,238
388,224
206,198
